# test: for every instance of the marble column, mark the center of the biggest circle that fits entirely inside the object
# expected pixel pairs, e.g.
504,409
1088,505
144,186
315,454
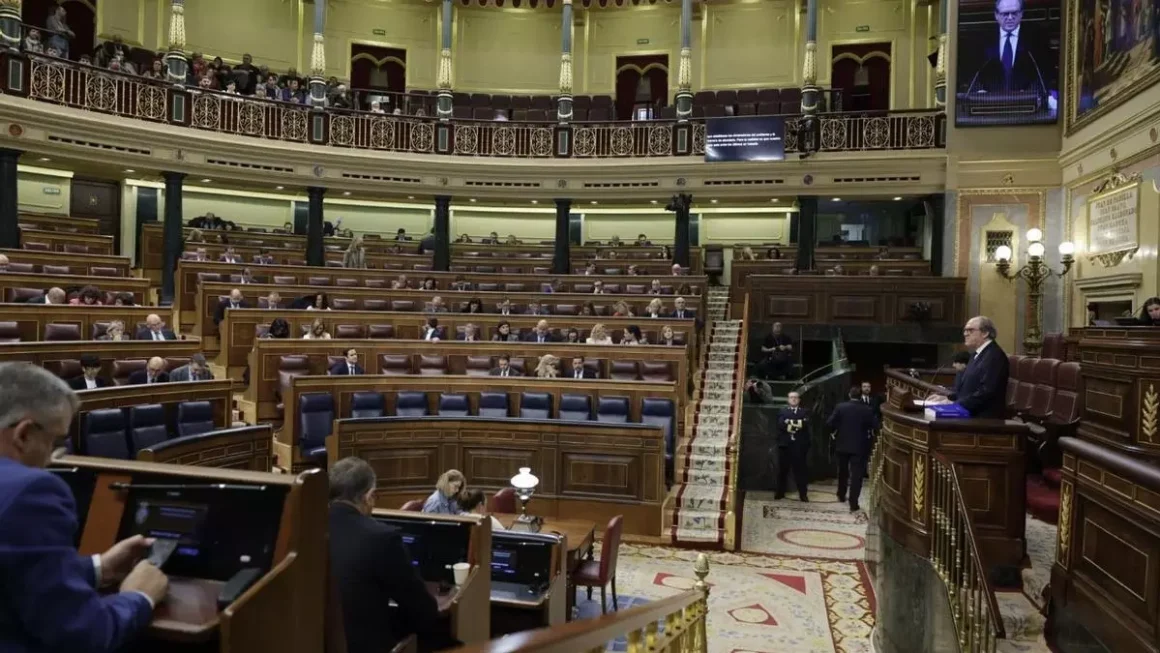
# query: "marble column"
808,129
10,29
442,229
315,249
562,254
176,63
318,58
9,206
443,75
564,102
940,66
685,66
807,232
173,234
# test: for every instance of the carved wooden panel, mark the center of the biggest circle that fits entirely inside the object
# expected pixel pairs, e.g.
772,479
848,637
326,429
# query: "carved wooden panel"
404,467
878,301
853,308
788,307
988,493
494,466
1119,556
601,475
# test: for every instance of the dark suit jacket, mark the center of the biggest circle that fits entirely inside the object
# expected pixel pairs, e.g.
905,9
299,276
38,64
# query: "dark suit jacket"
495,371
47,600
78,382
532,336
571,374
371,567
340,369
1030,70
689,314
144,334
427,244
141,376
983,391
793,427
219,313
854,424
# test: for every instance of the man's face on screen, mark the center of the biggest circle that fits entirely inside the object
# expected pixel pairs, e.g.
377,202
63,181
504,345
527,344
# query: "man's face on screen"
1008,13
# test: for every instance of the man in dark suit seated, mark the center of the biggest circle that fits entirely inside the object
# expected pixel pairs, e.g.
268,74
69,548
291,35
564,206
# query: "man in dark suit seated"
505,367
49,599
90,374
349,366
540,334
679,310
983,391
54,296
371,567
154,330
579,371
154,372
852,427
236,300
197,369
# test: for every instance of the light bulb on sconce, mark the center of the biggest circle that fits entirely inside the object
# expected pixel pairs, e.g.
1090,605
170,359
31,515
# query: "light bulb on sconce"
1003,253
1067,249
1036,249
1035,272
1034,235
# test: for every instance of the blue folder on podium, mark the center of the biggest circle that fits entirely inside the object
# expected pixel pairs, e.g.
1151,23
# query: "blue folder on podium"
947,411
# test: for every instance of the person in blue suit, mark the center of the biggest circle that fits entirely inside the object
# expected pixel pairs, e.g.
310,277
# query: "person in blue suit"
48,595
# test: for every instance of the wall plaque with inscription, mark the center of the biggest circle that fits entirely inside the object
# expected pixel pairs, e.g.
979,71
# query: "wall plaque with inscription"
1114,224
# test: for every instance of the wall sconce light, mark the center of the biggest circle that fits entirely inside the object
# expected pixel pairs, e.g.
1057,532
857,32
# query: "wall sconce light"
1035,272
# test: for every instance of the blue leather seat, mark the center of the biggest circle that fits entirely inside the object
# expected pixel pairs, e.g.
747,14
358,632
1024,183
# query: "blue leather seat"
453,405
315,421
612,409
194,418
367,404
103,434
575,407
655,411
411,404
493,404
146,427
535,405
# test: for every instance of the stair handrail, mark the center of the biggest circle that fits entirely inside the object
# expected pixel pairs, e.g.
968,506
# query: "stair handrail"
683,618
732,541
954,552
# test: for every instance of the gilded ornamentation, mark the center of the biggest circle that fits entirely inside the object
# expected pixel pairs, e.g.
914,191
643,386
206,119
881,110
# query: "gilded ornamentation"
503,141
101,92
918,497
47,81
177,26
584,141
876,133
565,73
383,134
685,70
920,132
342,130
422,137
1112,259
1148,414
791,134
11,4
318,57
1065,500
660,140
940,71
699,138
151,102
206,111
443,78
834,134
251,119
1115,181
810,67
540,142
294,125
466,139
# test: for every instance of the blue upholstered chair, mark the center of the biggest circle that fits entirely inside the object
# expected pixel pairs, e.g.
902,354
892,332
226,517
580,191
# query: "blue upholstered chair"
315,421
493,404
411,404
535,405
655,411
146,427
103,434
612,410
367,404
575,407
453,405
194,418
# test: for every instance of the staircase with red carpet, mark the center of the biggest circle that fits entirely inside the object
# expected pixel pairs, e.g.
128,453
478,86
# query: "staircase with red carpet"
1043,495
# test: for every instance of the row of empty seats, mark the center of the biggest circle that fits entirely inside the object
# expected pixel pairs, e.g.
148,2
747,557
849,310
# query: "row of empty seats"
1045,391
122,432
90,270
437,365
67,248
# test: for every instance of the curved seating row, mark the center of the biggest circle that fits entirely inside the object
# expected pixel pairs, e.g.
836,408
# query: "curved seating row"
244,447
123,432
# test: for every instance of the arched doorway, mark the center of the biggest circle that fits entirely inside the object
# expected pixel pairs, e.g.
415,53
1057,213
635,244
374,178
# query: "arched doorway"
862,72
378,68
642,85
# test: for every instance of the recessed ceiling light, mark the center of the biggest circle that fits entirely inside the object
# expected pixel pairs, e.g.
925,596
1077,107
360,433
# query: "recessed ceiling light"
346,193
44,159
410,197
774,200
653,201
897,199
713,201
535,201
129,171
280,188
593,202
206,180
836,199
471,200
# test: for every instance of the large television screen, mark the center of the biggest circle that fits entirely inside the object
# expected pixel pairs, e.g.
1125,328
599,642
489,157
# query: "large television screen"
1008,63
745,138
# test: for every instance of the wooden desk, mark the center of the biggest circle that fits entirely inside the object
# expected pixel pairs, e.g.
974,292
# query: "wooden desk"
64,223
245,447
219,393
81,263
63,358
857,301
31,319
579,537
58,240
139,288
1121,377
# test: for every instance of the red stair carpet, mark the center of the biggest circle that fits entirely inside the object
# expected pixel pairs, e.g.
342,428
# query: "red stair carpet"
1043,495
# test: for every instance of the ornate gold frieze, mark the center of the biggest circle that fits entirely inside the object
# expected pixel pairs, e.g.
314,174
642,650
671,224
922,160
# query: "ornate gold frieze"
177,27
1066,492
685,70
918,493
810,67
318,57
443,78
1148,415
566,73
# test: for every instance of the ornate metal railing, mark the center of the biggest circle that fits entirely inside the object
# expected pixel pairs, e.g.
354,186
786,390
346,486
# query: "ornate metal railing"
87,88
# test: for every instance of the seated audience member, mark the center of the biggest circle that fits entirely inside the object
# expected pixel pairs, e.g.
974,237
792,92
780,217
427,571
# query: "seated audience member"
667,337
505,307
633,336
155,330
679,310
873,271
88,296
504,367
611,254
579,371
470,333
573,336
230,255
462,285
401,283
554,286
588,309
54,296
959,363
615,242
236,300
443,500
598,287
773,253
50,599
154,372
90,378
599,336
274,301
633,271
3,263
541,333
316,302
463,238
655,288
472,502
1150,313
590,270
677,270
747,254
124,299
197,369
621,309
279,329
838,271
427,243
437,305
776,353
401,235
355,256
503,333
349,366
371,568
492,239
655,308
536,308
317,331
428,284
474,305
548,367
115,331
431,329
195,236
247,276
201,254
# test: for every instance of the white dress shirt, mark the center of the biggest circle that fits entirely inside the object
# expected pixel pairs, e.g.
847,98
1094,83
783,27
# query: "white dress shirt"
90,384
1014,44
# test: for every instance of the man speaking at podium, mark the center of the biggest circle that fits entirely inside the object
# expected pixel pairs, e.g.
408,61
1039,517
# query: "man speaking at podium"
983,388
1010,61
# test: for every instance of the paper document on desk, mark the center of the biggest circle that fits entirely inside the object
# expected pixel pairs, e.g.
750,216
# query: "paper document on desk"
941,401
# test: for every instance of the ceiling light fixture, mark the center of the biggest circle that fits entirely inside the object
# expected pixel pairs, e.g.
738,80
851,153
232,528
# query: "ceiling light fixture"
206,180
279,188
346,193
129,171
836,199
713,201
898,199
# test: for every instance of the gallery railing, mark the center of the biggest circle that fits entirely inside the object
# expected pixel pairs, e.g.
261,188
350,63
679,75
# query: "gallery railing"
84,87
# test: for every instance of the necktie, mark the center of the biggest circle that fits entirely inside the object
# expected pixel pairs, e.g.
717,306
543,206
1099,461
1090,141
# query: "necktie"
577,375
504,373
1008,53
350,369
157,335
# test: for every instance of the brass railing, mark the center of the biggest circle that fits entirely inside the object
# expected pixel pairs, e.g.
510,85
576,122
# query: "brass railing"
88,88
732,541
955,555
673,625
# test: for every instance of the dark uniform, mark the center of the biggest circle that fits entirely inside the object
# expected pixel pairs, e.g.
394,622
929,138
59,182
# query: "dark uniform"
793,443
854,424
775,364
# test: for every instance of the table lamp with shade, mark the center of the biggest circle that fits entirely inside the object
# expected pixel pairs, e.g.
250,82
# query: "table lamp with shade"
525,486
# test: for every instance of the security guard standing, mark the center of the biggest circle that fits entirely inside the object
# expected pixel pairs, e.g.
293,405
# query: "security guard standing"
793,443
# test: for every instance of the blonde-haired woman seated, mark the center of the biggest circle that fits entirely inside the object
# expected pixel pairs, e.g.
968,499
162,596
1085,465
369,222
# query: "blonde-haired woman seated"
548,367
747,254
599,336
317,331
115,331
655,308
622,309
668,338
445,499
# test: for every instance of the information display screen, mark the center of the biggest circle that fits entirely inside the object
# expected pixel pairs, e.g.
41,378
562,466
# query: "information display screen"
745,138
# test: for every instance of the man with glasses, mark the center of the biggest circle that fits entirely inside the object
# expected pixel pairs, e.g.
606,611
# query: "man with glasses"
49,599
983,387
1012,60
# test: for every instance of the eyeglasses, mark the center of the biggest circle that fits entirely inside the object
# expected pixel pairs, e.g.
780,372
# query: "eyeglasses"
969,330
1010,14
